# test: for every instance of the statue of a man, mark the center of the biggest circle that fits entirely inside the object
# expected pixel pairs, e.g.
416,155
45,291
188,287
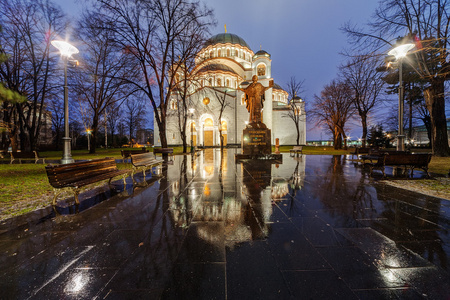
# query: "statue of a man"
254,97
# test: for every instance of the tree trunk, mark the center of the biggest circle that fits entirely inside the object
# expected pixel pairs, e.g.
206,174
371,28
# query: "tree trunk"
336,137
184,139
162,134
298,134
94,132
364,130
435,101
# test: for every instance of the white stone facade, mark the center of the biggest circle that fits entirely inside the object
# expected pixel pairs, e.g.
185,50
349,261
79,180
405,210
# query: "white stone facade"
224,65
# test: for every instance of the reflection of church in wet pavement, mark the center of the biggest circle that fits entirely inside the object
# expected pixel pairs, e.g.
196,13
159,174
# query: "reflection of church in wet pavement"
242,208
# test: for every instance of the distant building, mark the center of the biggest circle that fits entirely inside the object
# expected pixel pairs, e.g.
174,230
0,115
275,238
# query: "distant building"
224,64
144,136
45,138
419,135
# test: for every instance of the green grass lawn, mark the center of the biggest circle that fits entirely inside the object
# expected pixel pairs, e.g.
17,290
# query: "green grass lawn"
25,187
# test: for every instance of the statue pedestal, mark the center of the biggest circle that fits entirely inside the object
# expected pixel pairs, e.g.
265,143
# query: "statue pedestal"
256,144
256,141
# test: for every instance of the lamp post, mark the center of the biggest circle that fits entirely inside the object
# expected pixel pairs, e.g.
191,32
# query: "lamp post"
66,50
88,132
400,52
191,112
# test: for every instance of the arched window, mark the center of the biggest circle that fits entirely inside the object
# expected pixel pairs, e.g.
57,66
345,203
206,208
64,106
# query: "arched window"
209,122
211,54
224,125
219,82
173,104
228,52
219,53
228,83
243,99
210,81
273,97
261,70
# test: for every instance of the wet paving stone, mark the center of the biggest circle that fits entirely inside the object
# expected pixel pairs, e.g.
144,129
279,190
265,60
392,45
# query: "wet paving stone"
313,227
199,281
250,263
323,284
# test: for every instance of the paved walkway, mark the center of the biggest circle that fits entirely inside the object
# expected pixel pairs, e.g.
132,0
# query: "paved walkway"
314,227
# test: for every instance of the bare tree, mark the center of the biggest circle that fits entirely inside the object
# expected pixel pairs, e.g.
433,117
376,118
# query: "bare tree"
112,120
366,83
221,97
133,117
99,81
428,23
295,89
152,32
56,108
186,79
332,109
29,27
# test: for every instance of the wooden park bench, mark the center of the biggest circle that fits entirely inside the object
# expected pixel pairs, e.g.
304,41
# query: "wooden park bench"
162,151
360,150
374,154
296,150
142,162
402,159
75,175
127,153
34,155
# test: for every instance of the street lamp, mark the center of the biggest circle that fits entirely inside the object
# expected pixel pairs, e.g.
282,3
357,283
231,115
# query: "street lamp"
191,112
88,132
66,50
400,52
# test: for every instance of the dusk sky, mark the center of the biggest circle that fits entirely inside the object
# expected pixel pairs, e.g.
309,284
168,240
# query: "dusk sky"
303,36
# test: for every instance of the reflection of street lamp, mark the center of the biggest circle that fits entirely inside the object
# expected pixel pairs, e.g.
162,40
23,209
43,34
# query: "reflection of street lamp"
88,132
191,112
66,51
400,52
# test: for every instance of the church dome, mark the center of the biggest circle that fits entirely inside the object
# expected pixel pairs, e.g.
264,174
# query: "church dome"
224,38
261,53
277,87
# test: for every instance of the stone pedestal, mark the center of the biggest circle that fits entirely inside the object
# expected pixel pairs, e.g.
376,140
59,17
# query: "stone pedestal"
256,140
256,144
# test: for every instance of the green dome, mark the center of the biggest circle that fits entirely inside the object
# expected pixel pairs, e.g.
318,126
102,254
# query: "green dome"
224,38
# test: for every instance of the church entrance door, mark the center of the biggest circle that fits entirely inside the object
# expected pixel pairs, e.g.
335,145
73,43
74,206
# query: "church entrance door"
209,138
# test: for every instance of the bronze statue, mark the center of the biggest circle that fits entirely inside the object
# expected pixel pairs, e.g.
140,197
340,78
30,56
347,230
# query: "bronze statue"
254,97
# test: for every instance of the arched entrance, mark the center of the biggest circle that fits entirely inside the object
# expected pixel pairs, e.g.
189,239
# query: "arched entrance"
208,133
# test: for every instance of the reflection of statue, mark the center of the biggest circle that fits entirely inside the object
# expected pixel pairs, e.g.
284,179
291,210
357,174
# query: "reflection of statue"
254,97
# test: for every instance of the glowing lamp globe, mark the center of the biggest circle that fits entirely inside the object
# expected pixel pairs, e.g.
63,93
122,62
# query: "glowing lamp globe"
401,50
65,48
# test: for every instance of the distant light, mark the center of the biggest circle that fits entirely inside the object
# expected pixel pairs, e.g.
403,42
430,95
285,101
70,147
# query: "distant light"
191,110
65,48
401,50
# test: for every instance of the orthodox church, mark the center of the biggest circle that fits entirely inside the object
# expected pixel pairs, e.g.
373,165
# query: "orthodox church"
224,65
